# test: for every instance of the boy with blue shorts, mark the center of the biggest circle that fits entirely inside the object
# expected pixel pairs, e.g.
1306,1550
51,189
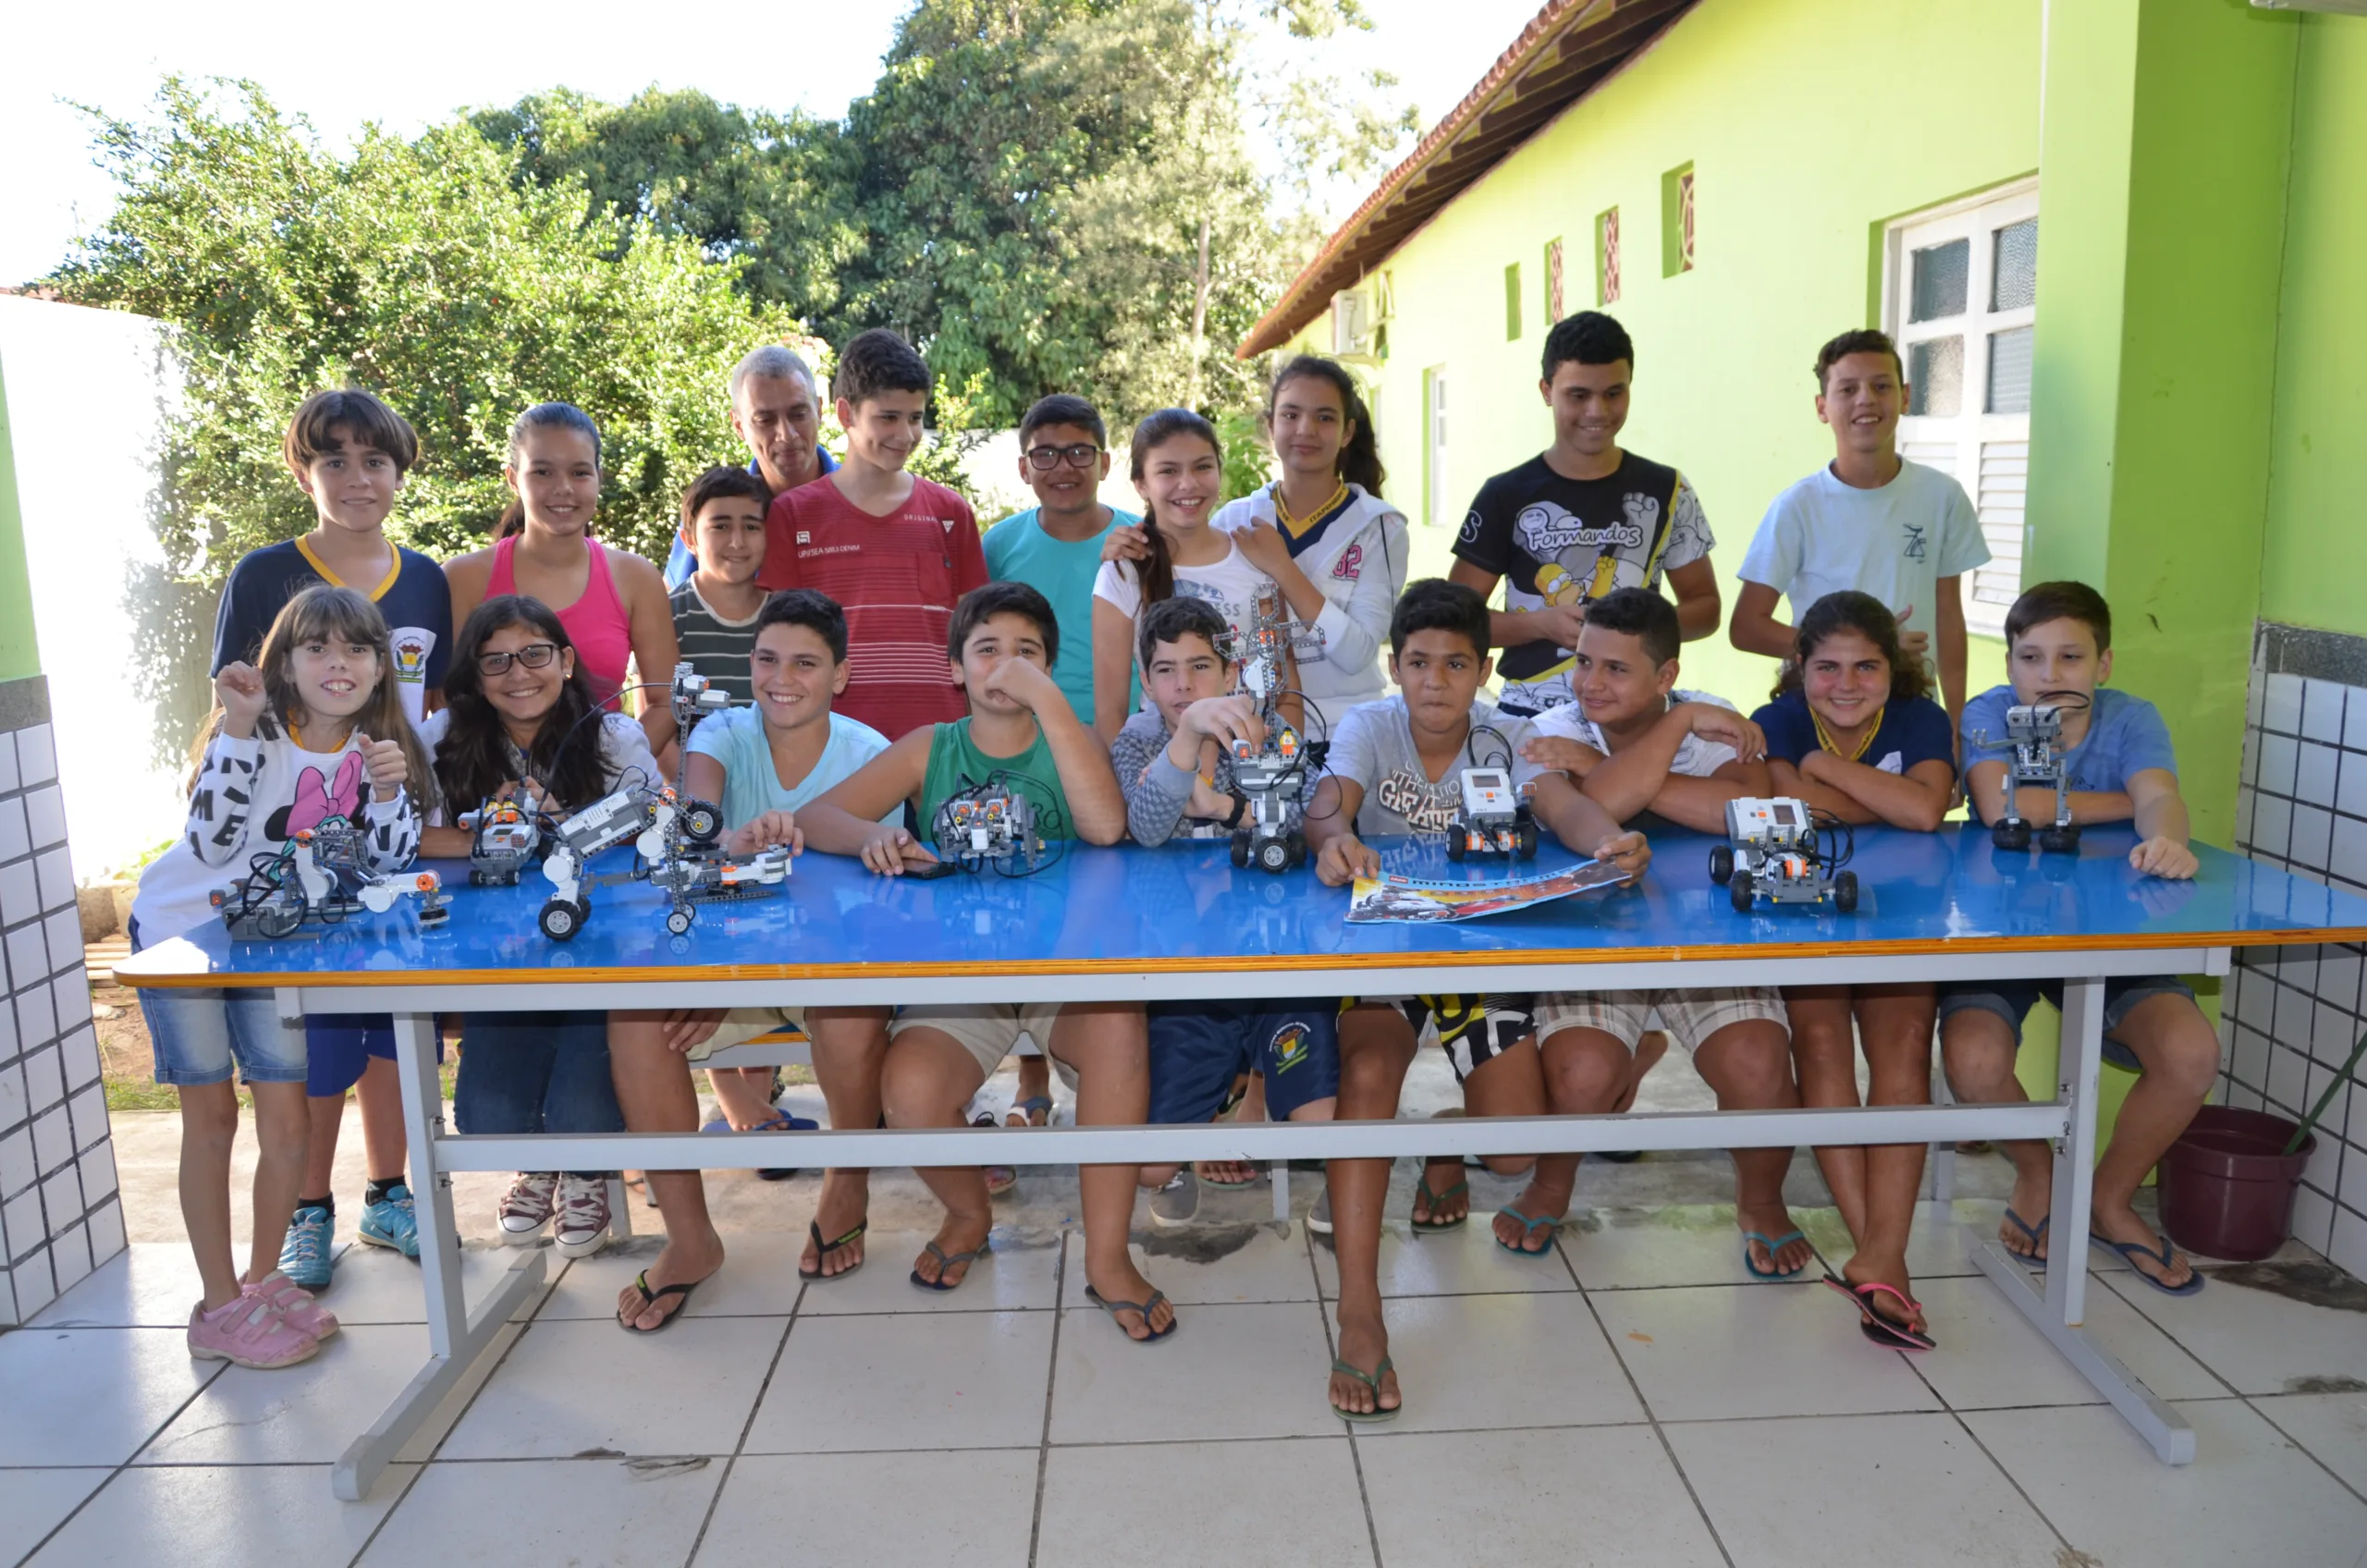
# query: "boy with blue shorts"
2058,638
1173,762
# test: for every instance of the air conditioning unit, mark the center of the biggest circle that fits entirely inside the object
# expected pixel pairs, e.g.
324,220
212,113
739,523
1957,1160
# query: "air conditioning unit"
2347,7
1351,323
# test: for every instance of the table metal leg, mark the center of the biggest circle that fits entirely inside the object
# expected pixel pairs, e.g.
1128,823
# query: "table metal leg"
2059,1313
456,1337
1282,1184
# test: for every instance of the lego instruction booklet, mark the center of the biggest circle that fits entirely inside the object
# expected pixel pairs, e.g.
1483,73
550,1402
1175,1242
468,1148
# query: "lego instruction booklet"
1409,899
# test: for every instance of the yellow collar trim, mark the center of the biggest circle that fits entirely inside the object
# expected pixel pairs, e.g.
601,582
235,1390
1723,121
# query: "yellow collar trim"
1295,526
1824,736
394,569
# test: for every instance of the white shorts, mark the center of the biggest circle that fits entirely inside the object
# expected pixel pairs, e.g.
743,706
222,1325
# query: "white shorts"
989,1031
1691,1016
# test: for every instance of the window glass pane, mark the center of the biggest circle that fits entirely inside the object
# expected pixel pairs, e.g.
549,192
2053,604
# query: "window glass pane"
1935,372
1940,274
2009,371
2013,284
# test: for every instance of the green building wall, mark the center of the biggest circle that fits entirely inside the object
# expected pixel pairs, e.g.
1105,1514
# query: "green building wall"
18,656
1808,126
2313,560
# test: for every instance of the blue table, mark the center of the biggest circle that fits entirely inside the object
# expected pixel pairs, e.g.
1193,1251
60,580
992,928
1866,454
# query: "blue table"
1130,924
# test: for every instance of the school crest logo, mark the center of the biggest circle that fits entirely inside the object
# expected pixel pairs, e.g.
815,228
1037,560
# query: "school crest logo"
1289,1046
412,645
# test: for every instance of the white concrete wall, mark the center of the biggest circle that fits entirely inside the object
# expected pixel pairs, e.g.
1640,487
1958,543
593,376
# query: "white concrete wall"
87,394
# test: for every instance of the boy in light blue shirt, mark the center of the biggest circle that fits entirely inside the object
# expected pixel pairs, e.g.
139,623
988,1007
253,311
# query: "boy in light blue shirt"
2058,638
1055,546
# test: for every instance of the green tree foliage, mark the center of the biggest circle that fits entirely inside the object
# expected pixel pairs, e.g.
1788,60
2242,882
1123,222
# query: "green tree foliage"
769,191
424,271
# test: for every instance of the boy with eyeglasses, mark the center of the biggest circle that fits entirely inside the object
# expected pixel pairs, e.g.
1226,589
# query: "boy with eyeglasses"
1055,546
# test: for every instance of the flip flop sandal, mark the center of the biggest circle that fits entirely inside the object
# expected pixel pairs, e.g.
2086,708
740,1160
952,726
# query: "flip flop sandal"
1527,1229
823,1249
781,1122
1001,1179
1778,1244
1431,1200
650,1298
2131,1251
1372,1380
946,1260
1115,1307
1883,1331
2036,1234
1029,1107
1250,1181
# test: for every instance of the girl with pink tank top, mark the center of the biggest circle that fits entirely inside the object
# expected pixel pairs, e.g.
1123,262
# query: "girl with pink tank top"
620,618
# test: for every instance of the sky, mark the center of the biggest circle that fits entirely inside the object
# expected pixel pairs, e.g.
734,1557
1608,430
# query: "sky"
409,66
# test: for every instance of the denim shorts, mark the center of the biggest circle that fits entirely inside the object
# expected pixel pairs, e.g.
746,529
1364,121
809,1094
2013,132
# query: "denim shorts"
200,1036
2011,1001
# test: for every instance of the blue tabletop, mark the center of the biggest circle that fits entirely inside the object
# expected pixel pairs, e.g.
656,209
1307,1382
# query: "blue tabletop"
1185,908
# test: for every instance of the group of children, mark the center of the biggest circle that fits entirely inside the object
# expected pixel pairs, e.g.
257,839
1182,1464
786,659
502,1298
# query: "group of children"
886,657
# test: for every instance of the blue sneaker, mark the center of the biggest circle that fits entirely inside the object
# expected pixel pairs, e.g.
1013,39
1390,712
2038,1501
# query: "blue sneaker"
390,1223
304,1256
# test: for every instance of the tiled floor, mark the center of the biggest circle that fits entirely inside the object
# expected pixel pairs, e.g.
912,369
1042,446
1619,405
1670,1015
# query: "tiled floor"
1628,1399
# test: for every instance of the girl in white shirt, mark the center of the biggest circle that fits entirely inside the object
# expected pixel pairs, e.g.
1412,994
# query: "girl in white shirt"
1323,533
1178,470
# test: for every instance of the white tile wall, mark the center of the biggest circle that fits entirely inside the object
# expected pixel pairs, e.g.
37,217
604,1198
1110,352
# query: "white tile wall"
2290,1016
60,1216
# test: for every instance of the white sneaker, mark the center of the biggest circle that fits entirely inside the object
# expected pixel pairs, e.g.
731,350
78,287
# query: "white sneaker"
580,1225
526,1209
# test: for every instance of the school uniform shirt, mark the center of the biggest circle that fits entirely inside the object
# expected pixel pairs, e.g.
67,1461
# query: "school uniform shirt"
682,562
624,756
897,578
1375,747
1697,756
251,796
413,596
1561,541
1018,550
1913,731
1355,555
752,786
714,646
1821,536
1231,585
2125,737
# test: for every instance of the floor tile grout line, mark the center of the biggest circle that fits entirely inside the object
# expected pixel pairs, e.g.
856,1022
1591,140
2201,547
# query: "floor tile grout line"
550,1289
1651,1415
1356,1454
2163,1329
115,1471
1052,1383
764,1387
2252,1402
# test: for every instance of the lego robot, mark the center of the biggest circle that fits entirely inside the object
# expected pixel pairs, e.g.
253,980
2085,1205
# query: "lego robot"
673,836
1775,852
504,839
1271,776
2034,731
1492,818
988,825
321,875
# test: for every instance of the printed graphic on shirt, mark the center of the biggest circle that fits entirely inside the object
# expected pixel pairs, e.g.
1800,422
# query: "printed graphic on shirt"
412,646
1427,807
318,798
1349,566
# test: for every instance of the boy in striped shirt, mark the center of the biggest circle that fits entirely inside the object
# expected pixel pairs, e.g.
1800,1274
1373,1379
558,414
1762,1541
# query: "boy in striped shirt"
715,610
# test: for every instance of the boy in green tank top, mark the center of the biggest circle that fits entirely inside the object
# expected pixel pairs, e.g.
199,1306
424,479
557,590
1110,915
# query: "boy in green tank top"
1002,642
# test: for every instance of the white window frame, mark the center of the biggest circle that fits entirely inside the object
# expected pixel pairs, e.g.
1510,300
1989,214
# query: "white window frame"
1434,430
1986,453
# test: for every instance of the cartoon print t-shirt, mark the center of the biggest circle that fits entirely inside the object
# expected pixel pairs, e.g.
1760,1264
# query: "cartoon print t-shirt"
1558,541
250,797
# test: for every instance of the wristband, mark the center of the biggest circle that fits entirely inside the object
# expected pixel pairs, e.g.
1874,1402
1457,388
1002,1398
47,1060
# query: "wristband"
1240,806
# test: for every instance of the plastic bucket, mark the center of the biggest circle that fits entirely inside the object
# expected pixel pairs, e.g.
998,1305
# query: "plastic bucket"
2227,1186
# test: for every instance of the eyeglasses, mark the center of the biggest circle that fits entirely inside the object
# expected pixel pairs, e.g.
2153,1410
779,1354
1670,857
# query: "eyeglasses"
533,656
1079,456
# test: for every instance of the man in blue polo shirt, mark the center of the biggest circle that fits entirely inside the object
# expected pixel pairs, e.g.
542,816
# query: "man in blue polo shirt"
775,410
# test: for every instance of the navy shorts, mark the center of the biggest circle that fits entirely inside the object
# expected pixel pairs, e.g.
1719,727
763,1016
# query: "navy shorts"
2011,1001
1199,1048
339,1045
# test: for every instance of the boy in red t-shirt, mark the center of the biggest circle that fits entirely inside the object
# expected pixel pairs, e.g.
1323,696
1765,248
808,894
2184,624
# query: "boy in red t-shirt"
895,550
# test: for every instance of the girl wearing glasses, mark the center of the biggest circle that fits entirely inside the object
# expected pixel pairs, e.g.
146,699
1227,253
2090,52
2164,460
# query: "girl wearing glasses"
613,604
518,721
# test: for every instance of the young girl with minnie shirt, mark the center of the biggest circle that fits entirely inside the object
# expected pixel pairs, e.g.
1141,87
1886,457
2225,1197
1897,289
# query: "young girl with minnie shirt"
318,731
